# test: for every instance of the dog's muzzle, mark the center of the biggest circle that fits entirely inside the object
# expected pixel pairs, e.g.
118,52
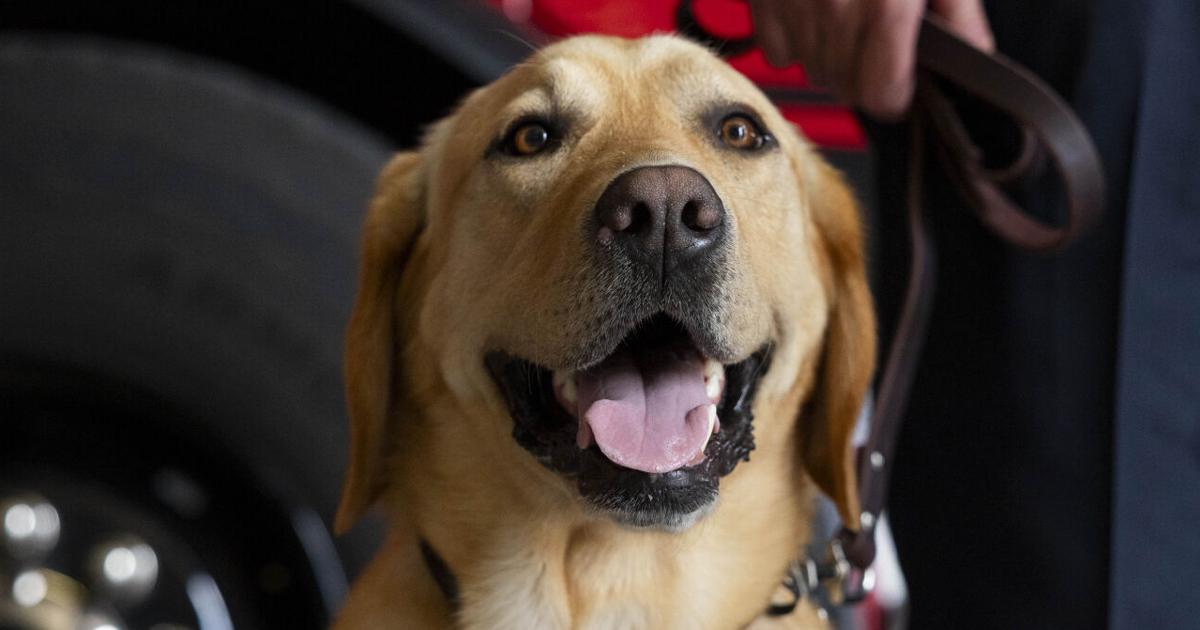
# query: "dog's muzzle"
657,407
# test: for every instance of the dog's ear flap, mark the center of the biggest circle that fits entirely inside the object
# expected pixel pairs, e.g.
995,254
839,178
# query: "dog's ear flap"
394,218
848,359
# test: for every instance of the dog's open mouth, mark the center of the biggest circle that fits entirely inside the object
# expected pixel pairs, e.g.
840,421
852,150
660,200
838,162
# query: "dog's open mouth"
647,432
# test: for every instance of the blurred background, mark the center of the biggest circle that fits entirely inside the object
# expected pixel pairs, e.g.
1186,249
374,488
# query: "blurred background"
181,185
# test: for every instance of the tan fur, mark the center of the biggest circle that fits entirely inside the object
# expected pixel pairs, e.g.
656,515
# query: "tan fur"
463,254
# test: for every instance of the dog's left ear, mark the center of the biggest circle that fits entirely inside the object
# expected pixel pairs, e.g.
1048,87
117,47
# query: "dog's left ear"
848,359
394,218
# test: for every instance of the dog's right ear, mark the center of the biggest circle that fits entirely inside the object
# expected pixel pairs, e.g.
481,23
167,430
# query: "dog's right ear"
395,217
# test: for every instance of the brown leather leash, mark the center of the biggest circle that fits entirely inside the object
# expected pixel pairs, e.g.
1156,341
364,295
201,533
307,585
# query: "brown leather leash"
1050,130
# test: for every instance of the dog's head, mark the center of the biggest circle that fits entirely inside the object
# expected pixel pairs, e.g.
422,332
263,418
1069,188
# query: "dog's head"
611,256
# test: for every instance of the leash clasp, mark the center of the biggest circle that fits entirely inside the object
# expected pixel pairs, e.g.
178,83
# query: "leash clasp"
829,582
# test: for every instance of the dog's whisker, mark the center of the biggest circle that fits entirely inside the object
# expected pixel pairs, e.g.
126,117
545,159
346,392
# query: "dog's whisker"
521,40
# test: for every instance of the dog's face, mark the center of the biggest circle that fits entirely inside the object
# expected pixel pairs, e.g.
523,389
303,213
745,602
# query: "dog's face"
613,256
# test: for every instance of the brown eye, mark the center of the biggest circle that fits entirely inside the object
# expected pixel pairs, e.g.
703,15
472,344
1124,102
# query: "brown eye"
739,132
528,139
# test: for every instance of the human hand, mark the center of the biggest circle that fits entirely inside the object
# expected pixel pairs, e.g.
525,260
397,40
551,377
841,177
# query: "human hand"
862,50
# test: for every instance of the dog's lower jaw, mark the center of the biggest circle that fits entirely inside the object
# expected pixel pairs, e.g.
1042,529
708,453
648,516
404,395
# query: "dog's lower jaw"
666,521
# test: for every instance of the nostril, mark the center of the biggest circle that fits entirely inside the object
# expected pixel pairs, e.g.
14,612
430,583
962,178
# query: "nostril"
641,218
618,218
700,216
632,218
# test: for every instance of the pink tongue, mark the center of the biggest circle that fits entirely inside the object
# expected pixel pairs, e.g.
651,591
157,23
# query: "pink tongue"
647,411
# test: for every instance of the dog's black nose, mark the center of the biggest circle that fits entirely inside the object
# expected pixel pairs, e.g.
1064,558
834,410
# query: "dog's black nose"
661,216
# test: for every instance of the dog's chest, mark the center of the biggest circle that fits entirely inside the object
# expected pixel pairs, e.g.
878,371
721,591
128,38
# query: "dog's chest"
589,587
515,595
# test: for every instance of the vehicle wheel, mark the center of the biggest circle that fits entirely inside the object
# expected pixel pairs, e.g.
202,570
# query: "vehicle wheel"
177,250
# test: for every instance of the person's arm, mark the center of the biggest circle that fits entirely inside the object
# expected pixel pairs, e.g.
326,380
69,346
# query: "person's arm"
862,50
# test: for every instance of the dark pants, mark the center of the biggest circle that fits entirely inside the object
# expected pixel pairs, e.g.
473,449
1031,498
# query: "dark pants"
1027,412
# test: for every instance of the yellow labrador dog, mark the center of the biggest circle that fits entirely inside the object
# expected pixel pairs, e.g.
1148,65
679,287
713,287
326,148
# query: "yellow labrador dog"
611,334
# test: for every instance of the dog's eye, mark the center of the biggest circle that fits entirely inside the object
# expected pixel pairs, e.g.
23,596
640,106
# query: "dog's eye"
741,133
527,139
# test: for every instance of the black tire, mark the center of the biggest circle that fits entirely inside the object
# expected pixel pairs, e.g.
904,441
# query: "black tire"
181,236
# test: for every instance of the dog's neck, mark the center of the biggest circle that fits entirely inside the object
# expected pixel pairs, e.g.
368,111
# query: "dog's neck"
595,580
